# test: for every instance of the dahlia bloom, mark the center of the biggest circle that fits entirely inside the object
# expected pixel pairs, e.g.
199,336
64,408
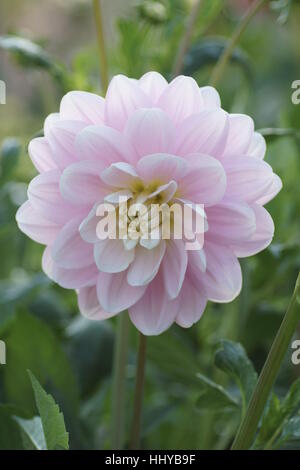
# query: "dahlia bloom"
149,138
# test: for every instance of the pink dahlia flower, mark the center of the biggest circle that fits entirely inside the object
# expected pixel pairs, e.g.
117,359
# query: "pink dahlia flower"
149,138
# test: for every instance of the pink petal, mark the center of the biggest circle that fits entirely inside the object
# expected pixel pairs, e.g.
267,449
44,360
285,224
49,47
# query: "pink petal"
196,265
35,226
211,98
154,313
45,197
69,250
82,106
205,181
150,131
118,196
123,97
240,133
88,227
272,191
145,264
165,192
120,175
248,178
153,84
162,167
50,120
230,221
80,183
89,304
189,224
181,98
191,304
61,137
104,145
262,236
205,132
111,256
222,279
40,154
257,147
115,294
68,278
174,267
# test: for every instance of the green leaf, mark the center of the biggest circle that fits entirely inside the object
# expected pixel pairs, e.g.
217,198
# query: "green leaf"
282,8
21,290
277,416
291,402
9,156
272,133
213,396
26,52
271,421
31,344
232,359
208,52
10,436
291,431
52,419
32,433
175,358
29,54
91,352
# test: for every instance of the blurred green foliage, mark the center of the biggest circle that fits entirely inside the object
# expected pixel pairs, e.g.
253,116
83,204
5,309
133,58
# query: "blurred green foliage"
199,380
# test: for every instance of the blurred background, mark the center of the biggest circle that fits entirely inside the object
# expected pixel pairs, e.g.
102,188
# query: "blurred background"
194,399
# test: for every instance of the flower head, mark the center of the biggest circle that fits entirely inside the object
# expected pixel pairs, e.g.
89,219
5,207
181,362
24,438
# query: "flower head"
148,141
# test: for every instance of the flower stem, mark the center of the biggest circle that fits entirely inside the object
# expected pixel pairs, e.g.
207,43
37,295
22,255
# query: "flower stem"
101,45
119,382
223,60
139,392
186,39
247,430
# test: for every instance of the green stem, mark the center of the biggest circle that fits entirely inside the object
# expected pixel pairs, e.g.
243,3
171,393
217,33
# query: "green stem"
139,392
222,62
101,45
119,382
247,430
186,39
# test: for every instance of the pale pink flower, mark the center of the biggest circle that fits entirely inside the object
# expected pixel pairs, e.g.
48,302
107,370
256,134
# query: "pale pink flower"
145,135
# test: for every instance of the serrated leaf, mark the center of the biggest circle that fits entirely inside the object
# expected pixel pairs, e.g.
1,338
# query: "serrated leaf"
232,359
213,396
32,433
52,419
